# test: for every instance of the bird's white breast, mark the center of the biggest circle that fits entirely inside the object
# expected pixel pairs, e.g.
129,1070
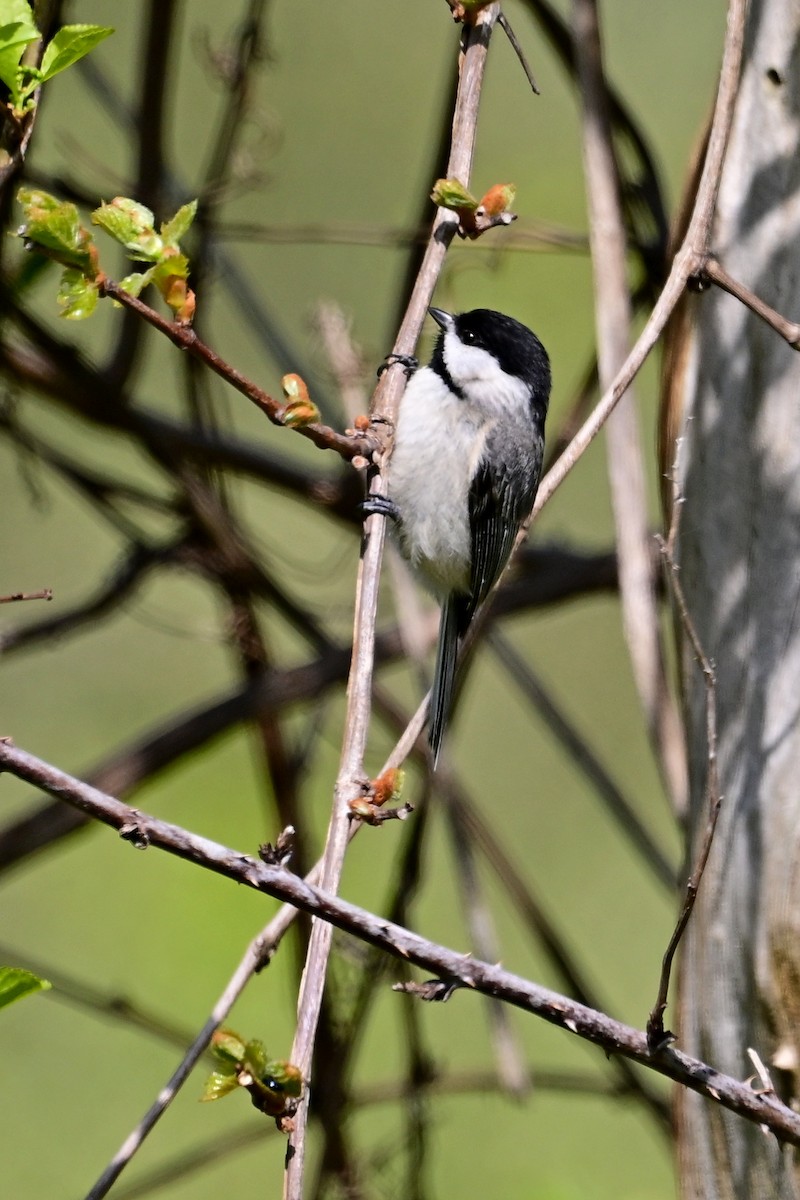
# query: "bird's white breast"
439,441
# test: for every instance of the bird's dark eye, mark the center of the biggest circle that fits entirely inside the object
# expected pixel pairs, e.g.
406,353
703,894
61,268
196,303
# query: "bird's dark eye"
468,337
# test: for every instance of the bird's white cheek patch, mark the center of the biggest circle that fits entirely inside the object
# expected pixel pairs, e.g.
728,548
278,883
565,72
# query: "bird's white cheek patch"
469,363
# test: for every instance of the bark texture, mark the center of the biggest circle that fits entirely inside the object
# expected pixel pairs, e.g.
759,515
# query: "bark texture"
739,552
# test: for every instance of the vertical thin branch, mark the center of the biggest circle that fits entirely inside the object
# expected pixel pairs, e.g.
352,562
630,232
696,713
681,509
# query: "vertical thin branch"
657,1036
149,128
474,46
625,459
512,1071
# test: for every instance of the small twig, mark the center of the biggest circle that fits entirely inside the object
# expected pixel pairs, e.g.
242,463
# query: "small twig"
44,594
595,1027
185,338
788,330
503,22
478,917
765,1084
657,1036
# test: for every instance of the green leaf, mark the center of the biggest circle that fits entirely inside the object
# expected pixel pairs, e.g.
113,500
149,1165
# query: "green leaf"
15,35
18,11
218,1085
15,983
173,230
255,1057
130,224
228,1047
173,266
77,295
71,43
451,193
55,225
135,283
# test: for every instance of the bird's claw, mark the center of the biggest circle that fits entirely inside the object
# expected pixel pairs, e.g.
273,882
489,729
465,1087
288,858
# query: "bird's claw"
407,361
380,506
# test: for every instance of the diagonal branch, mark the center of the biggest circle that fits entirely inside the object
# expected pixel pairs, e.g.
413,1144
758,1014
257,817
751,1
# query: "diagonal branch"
185,338
586,1023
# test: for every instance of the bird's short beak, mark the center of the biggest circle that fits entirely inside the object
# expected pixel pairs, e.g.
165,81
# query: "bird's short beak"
442,318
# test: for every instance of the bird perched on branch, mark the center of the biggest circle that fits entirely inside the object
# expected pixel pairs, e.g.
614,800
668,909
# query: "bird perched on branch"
463,475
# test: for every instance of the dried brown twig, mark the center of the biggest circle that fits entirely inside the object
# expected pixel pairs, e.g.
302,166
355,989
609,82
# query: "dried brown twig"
185,338
43,594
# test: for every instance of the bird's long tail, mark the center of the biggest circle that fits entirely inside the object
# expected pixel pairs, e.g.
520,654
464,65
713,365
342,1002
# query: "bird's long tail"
444,676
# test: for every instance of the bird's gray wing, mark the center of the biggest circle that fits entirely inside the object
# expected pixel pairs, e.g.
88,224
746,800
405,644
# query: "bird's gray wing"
500,497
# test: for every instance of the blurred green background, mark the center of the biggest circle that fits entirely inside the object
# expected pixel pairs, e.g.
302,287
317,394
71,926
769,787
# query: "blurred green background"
344,109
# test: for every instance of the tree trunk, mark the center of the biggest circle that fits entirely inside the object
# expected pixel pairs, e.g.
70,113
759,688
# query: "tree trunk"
739,553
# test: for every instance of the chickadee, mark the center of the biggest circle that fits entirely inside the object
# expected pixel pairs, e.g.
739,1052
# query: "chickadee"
463,475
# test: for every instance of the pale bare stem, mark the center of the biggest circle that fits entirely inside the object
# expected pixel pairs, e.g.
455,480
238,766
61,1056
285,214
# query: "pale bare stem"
474,46
616,1038
509,1057
613,316
344,357
241,976
686,263
656,1035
